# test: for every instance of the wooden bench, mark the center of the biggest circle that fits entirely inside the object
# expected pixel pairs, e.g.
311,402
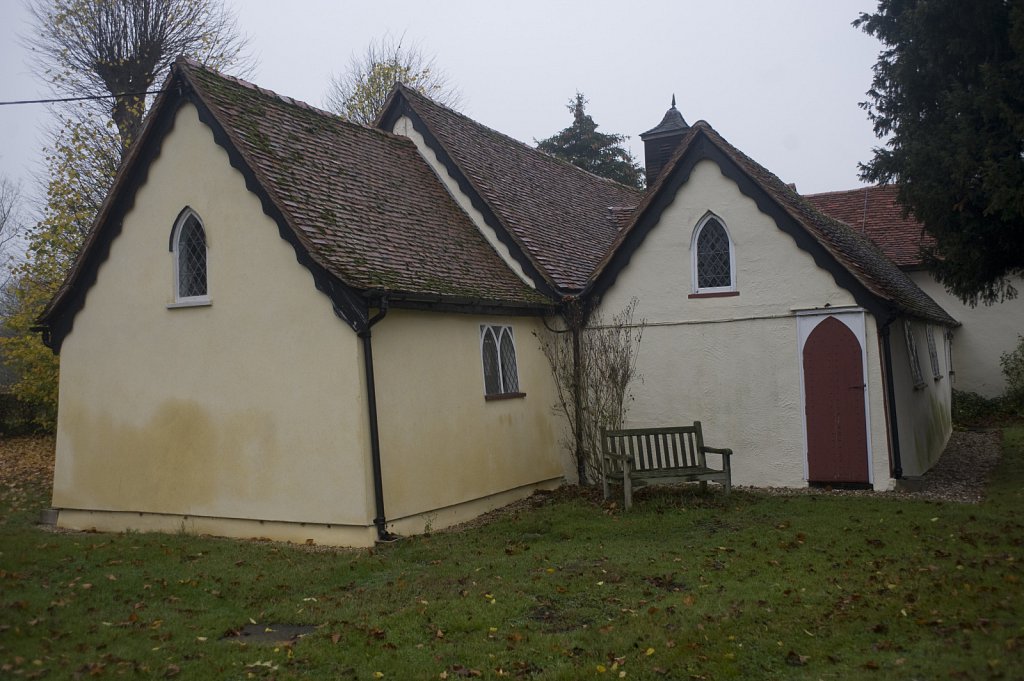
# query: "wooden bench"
652,456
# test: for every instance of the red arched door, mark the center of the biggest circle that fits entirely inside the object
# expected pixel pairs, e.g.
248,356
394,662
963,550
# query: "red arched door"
834,395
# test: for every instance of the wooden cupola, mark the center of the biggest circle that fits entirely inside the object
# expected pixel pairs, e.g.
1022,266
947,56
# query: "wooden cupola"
661,140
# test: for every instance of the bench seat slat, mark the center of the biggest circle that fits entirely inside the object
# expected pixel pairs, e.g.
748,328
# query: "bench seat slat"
643,456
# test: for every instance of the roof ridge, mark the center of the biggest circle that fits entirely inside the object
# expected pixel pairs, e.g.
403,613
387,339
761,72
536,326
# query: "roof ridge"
833,192
271,94
288,101
513,140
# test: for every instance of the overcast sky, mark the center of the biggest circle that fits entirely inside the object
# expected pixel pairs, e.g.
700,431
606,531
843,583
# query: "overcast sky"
780,79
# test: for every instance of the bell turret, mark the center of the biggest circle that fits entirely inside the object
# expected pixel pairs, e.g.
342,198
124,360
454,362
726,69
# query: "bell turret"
661,140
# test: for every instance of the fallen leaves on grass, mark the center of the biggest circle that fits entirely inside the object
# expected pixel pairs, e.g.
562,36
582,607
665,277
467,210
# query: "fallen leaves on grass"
26,465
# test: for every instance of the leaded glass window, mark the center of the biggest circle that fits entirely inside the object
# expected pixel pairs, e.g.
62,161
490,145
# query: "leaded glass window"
501,375
713,259
492,371
509,371
191,259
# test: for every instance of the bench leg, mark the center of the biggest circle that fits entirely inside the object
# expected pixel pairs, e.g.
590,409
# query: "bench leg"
728,486
703,486
627,490
604,483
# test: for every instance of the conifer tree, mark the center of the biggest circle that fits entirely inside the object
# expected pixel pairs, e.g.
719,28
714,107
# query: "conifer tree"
947,97
600,153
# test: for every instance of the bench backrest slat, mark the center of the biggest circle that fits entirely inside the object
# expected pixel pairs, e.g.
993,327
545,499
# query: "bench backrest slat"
655,448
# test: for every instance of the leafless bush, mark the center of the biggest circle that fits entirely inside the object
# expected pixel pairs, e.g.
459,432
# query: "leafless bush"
593,384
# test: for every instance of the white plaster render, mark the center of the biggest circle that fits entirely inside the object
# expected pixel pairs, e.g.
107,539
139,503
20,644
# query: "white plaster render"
405,128
988,331
733,362
442,443
923,413
253,407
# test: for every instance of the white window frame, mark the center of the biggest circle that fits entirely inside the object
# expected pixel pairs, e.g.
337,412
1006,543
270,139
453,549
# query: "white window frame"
497,332
179,224
708,217
913,357
933,353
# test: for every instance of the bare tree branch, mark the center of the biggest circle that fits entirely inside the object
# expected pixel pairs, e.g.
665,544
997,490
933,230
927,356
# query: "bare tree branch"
10,227
359,93
595,392
88,47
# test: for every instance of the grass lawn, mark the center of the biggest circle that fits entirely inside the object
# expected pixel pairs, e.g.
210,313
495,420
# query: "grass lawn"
681,587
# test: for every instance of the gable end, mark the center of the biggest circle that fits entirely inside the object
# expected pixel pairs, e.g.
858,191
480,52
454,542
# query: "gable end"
58,321
701,149
400,107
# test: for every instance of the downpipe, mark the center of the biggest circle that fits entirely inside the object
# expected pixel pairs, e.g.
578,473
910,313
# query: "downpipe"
380,520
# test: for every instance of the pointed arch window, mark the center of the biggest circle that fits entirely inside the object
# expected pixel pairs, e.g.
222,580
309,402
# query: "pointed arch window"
188,245
498,350
714,262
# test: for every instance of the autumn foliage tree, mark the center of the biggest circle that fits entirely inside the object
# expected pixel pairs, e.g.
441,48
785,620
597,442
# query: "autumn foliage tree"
600,153
947,97
359,93
112,51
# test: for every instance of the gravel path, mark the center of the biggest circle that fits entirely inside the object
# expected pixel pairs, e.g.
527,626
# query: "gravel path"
963,471
961,474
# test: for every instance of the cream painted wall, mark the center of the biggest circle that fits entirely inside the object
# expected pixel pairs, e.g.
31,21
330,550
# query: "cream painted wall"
441,442
253,407
733,362
988,331
922,410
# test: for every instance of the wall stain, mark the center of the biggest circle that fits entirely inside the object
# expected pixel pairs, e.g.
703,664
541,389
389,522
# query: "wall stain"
184,460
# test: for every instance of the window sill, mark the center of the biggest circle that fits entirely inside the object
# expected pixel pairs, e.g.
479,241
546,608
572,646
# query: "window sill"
503,396
716,294
195,302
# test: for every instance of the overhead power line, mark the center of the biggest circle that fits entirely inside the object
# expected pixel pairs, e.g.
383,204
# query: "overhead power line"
80,99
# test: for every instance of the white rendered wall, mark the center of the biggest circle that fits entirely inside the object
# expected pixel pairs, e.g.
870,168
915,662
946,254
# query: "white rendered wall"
733,362
922,409
987,332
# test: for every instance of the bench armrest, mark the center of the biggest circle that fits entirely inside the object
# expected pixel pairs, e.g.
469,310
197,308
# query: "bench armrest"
618,457
717,450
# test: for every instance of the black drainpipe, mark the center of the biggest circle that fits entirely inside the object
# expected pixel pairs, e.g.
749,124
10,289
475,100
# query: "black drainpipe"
371,399
890,388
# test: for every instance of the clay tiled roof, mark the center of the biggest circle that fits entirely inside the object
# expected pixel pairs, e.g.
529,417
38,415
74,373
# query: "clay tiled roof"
362,201
851,250
873,211
556,212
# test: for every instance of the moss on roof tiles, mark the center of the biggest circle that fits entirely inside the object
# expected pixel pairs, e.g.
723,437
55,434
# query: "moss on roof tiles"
364,201
556,211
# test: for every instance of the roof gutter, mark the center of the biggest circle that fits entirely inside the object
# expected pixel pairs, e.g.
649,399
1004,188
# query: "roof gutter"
890,389
364,333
